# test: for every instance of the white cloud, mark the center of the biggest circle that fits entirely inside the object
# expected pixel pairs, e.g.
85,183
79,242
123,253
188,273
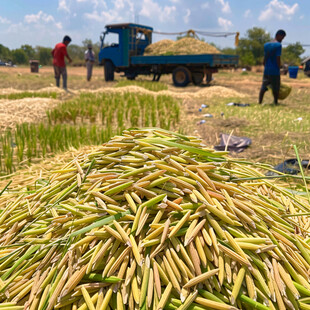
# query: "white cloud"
123,4
41,18
35,18
247,13
205,5
225,6
58,25
152,10
277,9
187,15
175,1
301,16
122,10
108,17
4,20
63,6
224,23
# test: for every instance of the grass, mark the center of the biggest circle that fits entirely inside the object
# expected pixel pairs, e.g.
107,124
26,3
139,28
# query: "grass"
27,94
273,129
149,85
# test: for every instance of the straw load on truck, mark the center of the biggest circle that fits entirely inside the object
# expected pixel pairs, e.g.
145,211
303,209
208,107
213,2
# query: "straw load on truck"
184,46
154,220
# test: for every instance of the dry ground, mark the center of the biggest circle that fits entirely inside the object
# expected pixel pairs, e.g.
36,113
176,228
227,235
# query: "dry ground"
269,144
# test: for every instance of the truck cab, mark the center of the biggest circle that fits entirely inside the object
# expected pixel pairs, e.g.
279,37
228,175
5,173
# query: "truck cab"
128,40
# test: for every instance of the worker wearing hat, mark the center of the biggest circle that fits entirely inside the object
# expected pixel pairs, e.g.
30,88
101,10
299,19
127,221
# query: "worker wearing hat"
272,63
89,57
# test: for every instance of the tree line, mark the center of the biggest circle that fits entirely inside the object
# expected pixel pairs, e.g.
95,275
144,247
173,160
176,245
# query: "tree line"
250,51
26,52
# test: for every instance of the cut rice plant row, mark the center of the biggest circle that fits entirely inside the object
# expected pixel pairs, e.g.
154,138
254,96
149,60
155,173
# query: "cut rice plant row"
118,110
33,141
26,94
149,85
154,220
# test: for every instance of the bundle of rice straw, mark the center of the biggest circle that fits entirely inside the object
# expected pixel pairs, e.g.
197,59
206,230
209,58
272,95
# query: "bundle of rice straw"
185,46
154,220
158,48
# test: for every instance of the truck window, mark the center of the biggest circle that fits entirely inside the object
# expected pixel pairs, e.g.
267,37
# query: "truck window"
112,39
140,36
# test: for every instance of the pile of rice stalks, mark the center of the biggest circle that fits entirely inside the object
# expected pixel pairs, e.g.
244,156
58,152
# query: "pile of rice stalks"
185,46
159,47
153,220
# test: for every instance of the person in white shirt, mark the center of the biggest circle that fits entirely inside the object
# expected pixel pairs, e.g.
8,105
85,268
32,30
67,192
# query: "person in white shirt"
89,57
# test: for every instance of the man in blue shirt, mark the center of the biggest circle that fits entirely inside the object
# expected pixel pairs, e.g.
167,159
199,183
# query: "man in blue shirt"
272,63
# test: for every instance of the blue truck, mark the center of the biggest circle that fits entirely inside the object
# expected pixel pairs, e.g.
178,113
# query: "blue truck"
125,55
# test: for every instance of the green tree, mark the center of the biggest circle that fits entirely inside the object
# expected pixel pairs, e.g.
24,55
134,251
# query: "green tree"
19,56
29,50
228,51
44,54
291,54
76,53
5,53
86,41
251,48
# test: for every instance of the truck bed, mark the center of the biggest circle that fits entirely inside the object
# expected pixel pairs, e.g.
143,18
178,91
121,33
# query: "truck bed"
211,60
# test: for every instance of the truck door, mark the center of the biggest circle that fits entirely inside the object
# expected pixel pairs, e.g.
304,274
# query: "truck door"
112,51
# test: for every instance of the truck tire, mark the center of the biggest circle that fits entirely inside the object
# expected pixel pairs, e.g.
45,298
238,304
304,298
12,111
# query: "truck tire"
197,78
181,76
108,71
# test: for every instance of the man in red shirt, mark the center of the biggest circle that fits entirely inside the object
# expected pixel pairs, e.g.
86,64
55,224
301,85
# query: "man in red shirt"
59,53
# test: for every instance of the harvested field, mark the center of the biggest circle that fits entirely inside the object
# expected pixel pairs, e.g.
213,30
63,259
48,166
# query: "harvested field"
254,121
154,208
34,109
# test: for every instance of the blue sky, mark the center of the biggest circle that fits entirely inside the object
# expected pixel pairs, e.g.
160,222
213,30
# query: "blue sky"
45,22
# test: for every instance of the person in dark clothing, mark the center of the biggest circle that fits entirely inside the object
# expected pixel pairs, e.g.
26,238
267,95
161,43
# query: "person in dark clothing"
59,53
272,63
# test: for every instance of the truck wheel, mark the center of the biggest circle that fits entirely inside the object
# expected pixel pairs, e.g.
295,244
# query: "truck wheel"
108,71
181,76
197,78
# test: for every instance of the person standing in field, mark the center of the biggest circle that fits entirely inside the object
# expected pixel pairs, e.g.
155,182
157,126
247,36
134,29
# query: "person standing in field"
272,63
59,53
89,57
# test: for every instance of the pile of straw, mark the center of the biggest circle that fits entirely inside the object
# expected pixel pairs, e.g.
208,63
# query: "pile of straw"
154,220
185,46
158,48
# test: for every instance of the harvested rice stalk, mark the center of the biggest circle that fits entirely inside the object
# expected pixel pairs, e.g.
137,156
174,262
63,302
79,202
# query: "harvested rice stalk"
157,221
